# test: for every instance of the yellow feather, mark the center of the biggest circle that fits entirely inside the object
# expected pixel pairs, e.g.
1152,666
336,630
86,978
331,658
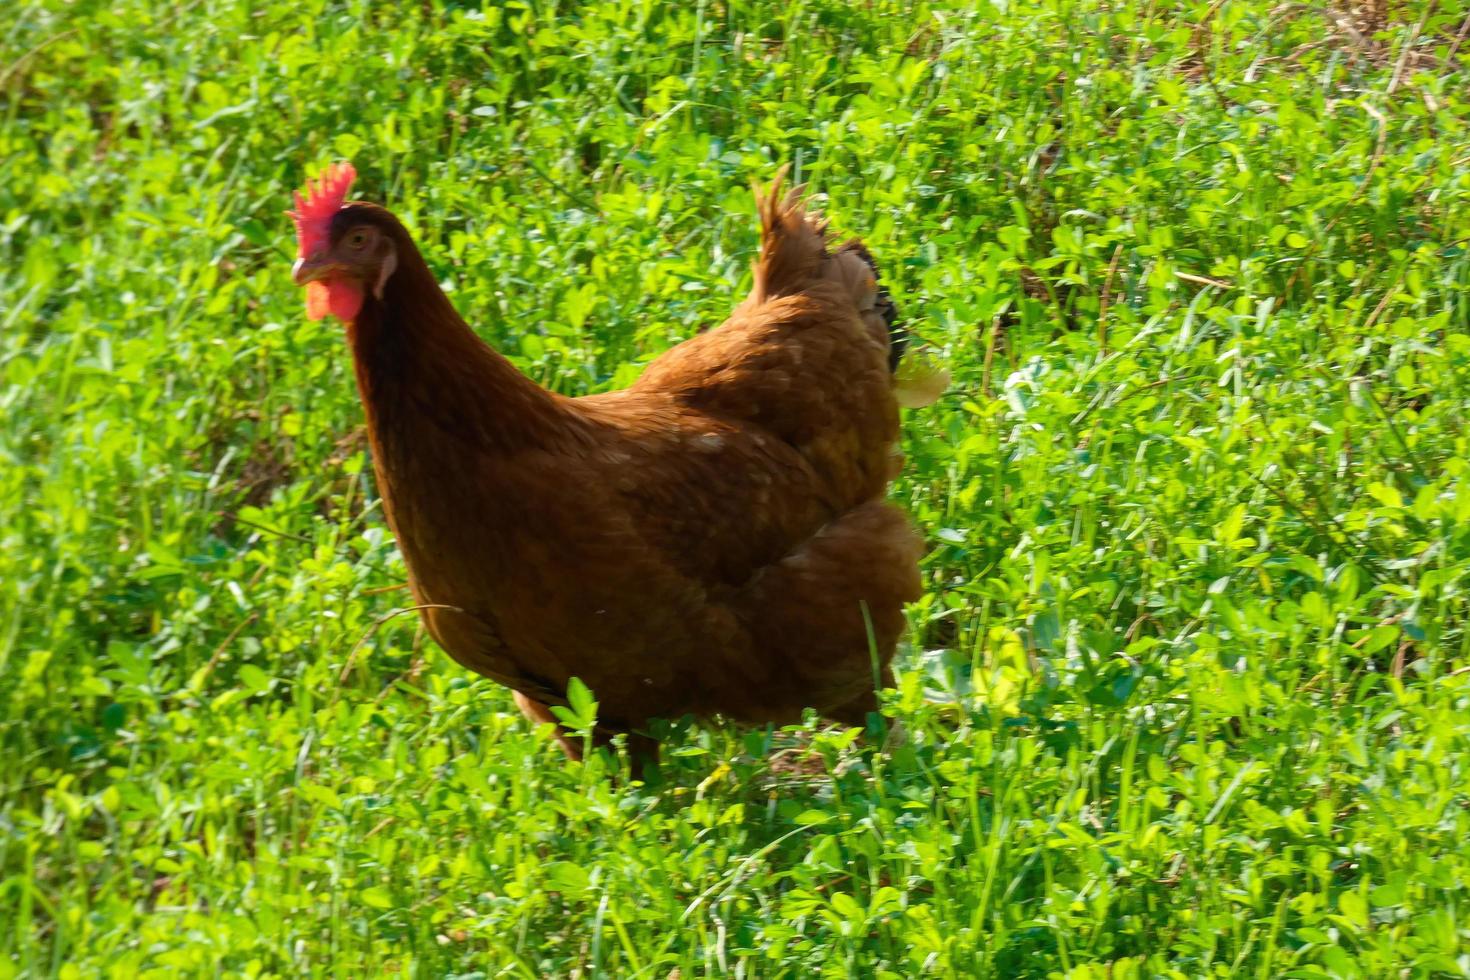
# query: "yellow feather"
920,380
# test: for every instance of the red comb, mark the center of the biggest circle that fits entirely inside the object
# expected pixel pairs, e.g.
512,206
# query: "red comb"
314,210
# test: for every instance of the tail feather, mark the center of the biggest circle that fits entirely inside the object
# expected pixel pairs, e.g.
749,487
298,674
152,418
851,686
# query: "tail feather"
883,303
794,253
793,242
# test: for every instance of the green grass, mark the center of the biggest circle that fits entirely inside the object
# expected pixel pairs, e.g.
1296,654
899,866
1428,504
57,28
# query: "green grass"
1189,690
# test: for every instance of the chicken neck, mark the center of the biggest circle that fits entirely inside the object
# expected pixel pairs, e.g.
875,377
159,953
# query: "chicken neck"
429,384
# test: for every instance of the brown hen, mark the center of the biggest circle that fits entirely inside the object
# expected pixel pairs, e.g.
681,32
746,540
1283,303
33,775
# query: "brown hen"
713,540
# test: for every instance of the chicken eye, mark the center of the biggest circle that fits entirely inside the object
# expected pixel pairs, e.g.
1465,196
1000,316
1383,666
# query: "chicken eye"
357,239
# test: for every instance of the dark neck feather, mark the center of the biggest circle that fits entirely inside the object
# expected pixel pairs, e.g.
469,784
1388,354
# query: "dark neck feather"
423,374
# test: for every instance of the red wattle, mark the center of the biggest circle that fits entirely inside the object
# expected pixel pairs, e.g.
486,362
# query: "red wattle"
341,298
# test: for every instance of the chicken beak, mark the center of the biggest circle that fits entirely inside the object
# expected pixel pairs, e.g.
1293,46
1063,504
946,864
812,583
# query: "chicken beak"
311,269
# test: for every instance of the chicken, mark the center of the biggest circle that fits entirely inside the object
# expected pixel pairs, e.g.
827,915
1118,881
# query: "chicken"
713,540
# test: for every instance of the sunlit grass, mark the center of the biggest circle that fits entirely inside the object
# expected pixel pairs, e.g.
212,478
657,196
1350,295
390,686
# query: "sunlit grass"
1188,693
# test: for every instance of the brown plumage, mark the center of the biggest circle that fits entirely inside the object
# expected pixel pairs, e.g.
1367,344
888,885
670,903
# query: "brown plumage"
713,540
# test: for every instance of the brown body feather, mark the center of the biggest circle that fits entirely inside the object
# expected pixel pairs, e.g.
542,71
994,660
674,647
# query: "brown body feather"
711,540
